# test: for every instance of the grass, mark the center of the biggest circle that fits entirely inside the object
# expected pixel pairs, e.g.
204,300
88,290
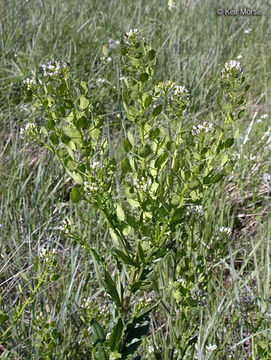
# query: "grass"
193,44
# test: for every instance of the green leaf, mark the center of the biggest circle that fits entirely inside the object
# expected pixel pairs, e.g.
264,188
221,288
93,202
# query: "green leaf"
120,213
70,164
143,77
54,138
132,222
3,317
131,138
35,265
133,203
151,55
241,114
125,165
157,110
97,331
147,101
160,160
77,177
83,102
115,336
82,122
217,178
224,159
50,124
111,288
75,195
71,132
229,142
154,133
145,151
127,145
140,252
126,259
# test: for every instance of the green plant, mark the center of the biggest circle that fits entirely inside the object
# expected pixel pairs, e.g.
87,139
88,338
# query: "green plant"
151,195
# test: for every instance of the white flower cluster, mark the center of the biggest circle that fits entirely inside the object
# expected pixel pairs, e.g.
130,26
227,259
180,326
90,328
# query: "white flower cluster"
47,255
210,348
95,165
29,129
66,225
230,67
248,31
197,129
196,211
132,32
141,183
30,83
90,188
130,36
263,117
181,93
171,4
223,232
86,304
112,44
53,68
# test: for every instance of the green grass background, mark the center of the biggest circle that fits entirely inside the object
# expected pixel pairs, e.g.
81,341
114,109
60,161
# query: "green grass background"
192,45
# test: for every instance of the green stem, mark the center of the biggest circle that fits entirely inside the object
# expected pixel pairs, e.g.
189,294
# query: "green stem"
27,302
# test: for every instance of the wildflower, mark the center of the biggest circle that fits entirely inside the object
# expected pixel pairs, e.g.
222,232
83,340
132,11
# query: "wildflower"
29,129
232,67
100,81
95,165
47,255
141,184
112,44
90,188
248,31
86,303
204,127
130,36
180,93
210,348
239,57
171,4
196,211
223,232
131,33
66,225
53,68
30,83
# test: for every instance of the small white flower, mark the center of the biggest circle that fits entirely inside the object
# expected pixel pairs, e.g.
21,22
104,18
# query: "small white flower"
230,67
142,183
86,304
248,31
112,44
264,116
195,210
239,57
30,83
204,127
210,348
171,4
181,93
29,129
130,36
223,232
53,68
131,32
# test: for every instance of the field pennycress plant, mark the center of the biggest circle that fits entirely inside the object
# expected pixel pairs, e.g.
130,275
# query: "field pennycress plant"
151,192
